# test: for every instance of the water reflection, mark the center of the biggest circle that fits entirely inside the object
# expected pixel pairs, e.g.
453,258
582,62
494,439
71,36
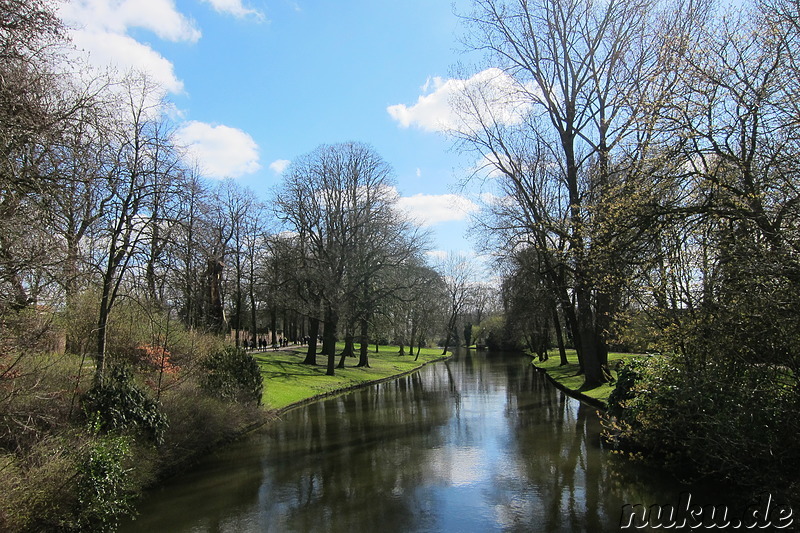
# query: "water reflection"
479,443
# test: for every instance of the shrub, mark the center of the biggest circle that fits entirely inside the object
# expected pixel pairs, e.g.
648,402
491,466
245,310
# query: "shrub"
628,373
721,420
120,404
36,398
233,375
199,422
36,491
104,491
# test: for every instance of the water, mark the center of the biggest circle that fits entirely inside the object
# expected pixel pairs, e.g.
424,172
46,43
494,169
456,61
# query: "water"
479,443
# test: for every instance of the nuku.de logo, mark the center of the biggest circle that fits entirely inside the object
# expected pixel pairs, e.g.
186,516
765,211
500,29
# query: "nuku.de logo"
763,513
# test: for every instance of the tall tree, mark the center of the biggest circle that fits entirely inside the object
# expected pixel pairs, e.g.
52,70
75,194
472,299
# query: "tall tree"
458,274
561,122
338,200
130,178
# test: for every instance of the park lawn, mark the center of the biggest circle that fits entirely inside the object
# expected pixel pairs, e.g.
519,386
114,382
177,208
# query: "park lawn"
568,375
287,381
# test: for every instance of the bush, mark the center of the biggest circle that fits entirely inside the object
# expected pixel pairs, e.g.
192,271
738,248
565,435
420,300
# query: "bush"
104,490
628,374
233,375
721,420
198,422
120,404
36,398
36,491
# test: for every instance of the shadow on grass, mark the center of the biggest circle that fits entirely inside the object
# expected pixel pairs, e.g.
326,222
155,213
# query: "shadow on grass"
272,374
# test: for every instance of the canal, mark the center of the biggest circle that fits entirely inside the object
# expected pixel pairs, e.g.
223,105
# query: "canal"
481,442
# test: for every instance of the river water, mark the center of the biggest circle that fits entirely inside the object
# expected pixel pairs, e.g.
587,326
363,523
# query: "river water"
481,442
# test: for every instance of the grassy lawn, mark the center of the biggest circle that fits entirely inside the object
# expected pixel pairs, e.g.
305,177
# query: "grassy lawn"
288,381
568,375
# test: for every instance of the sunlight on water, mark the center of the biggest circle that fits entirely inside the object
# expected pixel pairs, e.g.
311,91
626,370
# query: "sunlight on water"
480,443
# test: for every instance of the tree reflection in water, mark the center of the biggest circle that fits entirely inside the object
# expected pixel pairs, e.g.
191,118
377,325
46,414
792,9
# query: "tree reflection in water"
479,443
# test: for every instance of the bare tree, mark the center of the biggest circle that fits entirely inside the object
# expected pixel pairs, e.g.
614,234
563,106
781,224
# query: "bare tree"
338,200
129,177
458,274
186,250
582,81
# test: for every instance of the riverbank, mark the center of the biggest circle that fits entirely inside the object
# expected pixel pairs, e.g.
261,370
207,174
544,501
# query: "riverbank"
567,379
288,383
471,435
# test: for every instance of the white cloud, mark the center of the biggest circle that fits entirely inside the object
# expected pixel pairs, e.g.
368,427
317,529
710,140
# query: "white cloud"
159,16
235,8
454,104
490,199
220,151
125,54
100,29
492,165
279,165
431,112
430,209
438,255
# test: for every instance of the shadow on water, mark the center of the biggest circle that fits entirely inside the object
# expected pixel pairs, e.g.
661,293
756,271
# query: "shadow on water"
477,443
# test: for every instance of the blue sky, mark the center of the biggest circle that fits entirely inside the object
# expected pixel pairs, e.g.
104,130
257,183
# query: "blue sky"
257,83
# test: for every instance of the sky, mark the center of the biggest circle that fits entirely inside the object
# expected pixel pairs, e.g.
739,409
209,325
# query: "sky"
258,83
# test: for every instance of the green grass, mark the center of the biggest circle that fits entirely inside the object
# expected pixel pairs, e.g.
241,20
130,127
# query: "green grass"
568,375
287,381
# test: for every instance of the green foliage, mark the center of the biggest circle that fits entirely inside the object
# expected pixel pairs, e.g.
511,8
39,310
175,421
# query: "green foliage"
33,492
720,420
104,492
499,333
628,374
569,375
119,403
233,375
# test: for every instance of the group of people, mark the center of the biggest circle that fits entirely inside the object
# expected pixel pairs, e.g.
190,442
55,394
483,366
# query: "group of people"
262,344
280,342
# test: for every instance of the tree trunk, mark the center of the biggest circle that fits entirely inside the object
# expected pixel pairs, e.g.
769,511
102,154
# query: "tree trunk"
593,372
451,324
571,322
273,324
363,354
216,314
602,326
73,344
253,326
348,349
102,324
329,338
311,354
562,350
